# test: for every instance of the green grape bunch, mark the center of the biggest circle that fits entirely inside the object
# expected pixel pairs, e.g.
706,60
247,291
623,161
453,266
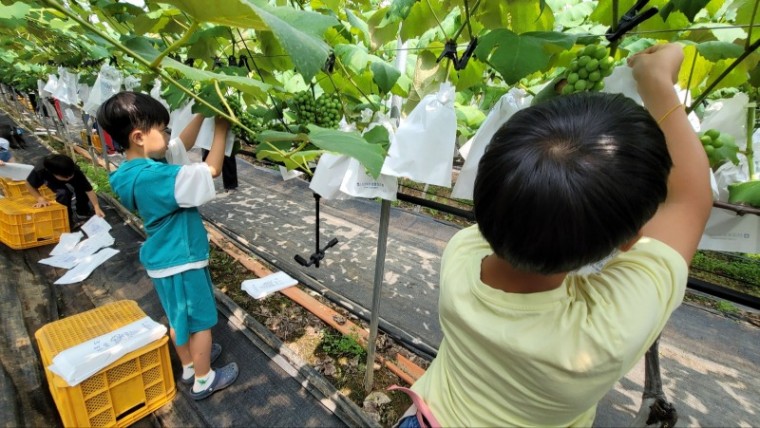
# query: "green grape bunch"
245,118
720,147
329,108
324,111
587,69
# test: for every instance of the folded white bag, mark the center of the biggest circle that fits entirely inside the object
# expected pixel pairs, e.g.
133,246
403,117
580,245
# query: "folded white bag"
78,363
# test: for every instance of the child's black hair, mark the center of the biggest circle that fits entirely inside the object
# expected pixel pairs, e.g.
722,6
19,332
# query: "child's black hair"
564,183
127,111
60,165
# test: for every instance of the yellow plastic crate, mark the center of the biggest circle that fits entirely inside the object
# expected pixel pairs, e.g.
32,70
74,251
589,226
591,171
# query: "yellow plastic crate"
23,226
122,393
17,188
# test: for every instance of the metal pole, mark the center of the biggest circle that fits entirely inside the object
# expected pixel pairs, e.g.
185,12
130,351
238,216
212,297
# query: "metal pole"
382,240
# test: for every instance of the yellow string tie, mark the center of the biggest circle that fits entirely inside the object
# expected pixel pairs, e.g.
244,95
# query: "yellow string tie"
665,116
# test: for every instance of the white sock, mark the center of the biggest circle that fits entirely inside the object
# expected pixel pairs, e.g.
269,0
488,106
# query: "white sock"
202,383
188,371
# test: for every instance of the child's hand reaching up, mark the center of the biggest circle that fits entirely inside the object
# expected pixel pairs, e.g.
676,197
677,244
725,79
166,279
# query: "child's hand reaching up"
657,65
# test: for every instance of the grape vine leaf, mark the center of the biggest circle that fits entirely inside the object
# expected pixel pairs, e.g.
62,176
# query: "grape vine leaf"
400,8
694,67
299,32
515,56
690,8
421,18
14,15
528,15
715,51
205,43
384,75
371,156
381,29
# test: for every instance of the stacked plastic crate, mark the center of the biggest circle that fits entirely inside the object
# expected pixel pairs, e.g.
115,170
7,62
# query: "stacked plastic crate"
22,225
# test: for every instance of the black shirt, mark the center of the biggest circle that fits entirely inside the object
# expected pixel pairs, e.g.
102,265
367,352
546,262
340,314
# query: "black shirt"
40,176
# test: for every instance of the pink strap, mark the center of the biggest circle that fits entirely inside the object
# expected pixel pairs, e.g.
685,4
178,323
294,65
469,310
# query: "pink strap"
424,415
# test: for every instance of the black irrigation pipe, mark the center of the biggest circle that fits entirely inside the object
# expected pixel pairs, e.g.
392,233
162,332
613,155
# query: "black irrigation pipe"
724,293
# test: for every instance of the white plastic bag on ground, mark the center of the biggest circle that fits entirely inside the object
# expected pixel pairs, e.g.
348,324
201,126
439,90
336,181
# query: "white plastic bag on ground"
423,148
472,151
106,85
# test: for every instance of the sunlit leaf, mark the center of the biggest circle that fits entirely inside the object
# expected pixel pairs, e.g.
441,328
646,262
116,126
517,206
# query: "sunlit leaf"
385,75
715,51
371,156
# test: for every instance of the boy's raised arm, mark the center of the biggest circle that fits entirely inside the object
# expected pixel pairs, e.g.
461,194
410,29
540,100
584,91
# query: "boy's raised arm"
680,220
190,133
216,153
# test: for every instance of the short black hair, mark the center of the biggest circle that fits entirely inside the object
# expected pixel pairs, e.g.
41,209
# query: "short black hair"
127,111
60,165
565,182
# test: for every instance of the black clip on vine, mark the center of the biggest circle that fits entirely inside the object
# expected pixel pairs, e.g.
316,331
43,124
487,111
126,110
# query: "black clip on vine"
450,52
630,20
315,258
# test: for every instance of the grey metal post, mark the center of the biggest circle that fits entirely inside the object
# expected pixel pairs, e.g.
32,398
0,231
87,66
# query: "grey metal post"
382,240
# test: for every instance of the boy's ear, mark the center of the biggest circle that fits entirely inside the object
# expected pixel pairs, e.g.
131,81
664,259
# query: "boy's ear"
136,137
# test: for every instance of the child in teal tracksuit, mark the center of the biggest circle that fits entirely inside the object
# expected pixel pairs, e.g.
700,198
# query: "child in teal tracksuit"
176,251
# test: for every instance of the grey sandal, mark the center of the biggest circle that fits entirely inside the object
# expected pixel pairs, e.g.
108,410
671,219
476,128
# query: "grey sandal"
223,378
216,351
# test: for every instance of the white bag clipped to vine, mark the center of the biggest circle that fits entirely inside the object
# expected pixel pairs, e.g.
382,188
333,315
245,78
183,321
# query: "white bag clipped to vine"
331,170
423,149
131,83
107,84
50,86
156,93
621,81
66,90
508,104
356,182
180,118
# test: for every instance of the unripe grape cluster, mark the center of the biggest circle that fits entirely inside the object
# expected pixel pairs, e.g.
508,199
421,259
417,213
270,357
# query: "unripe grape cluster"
587,69
325,111
713,140
246,119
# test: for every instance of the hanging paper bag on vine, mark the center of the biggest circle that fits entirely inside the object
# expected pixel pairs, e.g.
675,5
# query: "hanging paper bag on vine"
180,118
66,90
107,84
724,138
329,174
358,183
155,92
131,83
472,151
50,86
424,145
621,81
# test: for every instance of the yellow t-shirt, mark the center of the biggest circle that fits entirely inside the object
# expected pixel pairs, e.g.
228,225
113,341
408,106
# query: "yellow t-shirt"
544,359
